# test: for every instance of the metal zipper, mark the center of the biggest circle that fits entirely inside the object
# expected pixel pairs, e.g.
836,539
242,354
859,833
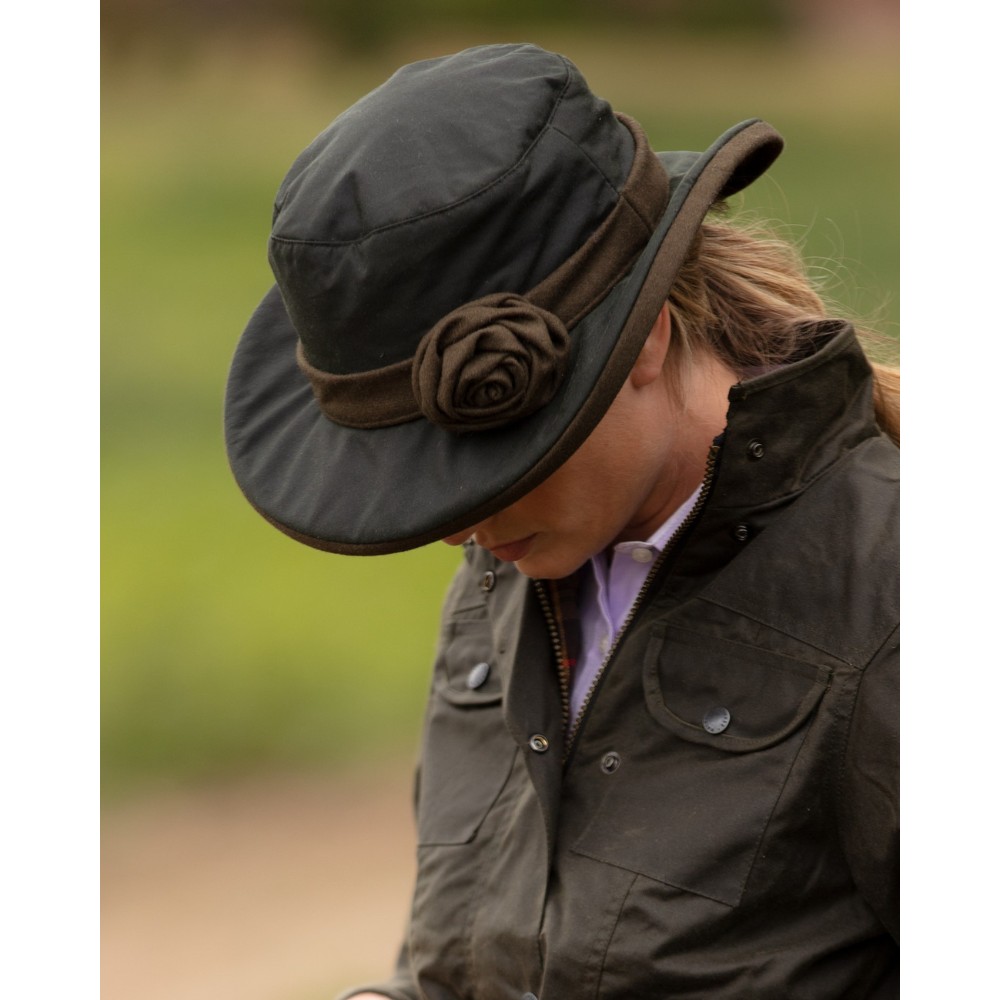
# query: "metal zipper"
550,618
557,646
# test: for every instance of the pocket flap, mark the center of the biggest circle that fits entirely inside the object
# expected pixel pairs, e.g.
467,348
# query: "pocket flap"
468,674
467,751
727,695
689,807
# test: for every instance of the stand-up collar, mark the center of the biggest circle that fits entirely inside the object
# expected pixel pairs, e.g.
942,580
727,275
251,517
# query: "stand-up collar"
783,430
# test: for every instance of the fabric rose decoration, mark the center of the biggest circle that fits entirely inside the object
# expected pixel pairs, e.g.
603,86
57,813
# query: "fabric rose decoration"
489,362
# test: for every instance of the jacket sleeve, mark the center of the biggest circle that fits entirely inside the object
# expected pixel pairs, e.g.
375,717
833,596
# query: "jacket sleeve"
869,801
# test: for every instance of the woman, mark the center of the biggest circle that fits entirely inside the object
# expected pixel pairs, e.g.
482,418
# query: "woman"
660,756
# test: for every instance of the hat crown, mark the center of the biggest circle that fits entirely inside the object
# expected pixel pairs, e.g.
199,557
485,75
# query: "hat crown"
457,178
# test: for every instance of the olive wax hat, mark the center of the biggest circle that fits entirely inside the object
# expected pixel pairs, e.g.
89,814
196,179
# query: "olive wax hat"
468,261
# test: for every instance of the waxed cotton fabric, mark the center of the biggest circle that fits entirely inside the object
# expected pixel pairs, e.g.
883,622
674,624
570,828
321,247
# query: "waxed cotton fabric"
760,861
388,488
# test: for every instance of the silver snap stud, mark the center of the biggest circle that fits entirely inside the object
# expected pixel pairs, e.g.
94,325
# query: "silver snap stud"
487,582
716,719
538,743
477,676
610,762
755,450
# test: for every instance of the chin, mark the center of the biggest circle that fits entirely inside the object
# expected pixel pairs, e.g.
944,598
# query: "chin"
549,567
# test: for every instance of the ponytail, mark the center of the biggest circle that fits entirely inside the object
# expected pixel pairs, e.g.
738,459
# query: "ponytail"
743,293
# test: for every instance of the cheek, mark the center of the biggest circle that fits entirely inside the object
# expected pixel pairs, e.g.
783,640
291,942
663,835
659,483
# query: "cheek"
541,508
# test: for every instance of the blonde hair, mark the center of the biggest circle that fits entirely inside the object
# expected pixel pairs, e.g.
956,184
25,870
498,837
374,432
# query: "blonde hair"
743,293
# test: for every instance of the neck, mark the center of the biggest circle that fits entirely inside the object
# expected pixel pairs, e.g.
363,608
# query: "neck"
685,422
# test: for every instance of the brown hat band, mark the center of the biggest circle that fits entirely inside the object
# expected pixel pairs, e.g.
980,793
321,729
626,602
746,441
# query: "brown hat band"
502,357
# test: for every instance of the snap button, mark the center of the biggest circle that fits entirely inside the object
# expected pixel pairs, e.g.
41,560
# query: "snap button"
610,763
486,584
755,450
716,719
477,676
741,532
538,743
642,555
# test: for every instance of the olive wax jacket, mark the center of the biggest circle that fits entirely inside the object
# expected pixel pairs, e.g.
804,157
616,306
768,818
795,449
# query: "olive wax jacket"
653,854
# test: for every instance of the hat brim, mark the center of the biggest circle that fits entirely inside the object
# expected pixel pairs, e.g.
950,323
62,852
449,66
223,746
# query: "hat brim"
376,491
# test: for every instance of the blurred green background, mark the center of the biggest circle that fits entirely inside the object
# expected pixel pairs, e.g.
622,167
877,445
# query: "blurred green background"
228,648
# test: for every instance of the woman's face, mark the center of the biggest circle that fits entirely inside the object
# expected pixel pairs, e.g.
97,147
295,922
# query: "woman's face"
621,484
595,499
641,462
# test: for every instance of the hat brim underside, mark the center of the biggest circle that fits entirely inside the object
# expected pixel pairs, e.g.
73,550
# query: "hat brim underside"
376,491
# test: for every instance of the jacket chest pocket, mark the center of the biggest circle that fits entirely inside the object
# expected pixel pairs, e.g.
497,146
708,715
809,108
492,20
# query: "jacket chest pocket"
703,768
467,750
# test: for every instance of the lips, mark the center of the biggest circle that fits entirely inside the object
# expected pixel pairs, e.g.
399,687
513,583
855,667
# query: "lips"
512,551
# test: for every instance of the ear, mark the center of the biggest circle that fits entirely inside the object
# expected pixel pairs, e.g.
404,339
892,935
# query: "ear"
649,365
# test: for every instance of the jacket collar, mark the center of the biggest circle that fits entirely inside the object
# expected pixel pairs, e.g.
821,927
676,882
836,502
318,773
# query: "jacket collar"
783,430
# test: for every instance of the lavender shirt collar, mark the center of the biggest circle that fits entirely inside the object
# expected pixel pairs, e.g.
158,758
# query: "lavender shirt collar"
607,594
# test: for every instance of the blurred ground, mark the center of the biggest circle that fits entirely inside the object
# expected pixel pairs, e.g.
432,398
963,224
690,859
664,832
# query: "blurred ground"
277,888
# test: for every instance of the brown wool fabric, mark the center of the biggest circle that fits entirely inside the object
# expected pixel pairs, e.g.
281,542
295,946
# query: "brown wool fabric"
493,361
579,284
382,397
